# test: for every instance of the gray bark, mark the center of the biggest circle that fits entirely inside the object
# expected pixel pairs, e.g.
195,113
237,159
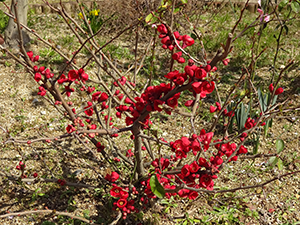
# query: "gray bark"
11,32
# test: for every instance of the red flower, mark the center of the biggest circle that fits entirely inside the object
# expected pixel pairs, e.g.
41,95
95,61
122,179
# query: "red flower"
203,162
185,170
162,29
121,203
37,77
90,111
70,128
194,167
129,153
90,89
190,70
205,138
193,195
242,150
116,192
35,175
30,55
103,97
188,40
156,105
95,96
181,60
177,55
113,177
200,73
172,102
36,58
183,193
73,75
212,109
62,79
271,88
279,91
249,123
84,77
189,103
205,180
69,90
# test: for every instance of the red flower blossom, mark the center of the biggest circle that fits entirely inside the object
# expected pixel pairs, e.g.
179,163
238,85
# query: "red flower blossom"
205,180
37,77
116,192
200,73
185,170
73,75
113,177
271,88
279,91
90,111
121,203
189,103
95,96
194,167
193,195
172,102
162,29
70,128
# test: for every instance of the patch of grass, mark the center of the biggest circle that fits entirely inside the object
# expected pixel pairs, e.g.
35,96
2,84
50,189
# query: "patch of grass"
3,21
51,55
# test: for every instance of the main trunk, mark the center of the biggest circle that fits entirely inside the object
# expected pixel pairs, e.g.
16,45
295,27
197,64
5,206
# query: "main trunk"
11,32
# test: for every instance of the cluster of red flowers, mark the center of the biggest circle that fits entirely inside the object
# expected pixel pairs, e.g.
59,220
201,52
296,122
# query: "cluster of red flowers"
150,101
74,75
278,90
33,59
127,206
61,182
168,41
184,145
21,166
113,177
100,147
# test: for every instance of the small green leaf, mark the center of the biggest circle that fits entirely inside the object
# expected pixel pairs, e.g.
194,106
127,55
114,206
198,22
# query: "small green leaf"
48,223
176,10
272,161
149,18
156,187
280,164
255,149
184,1
282,4
295,6
41,194
279,145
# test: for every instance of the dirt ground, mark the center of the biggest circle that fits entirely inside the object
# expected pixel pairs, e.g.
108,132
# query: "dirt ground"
25,115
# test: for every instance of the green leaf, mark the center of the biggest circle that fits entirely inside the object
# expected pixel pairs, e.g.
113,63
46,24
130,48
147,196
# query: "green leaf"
47,223
295,6
280,164
176,10
149,18
184,1
279,145
255,149
272,161
156,187
282,4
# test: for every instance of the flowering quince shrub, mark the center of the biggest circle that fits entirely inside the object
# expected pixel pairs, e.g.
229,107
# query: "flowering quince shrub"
191,164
